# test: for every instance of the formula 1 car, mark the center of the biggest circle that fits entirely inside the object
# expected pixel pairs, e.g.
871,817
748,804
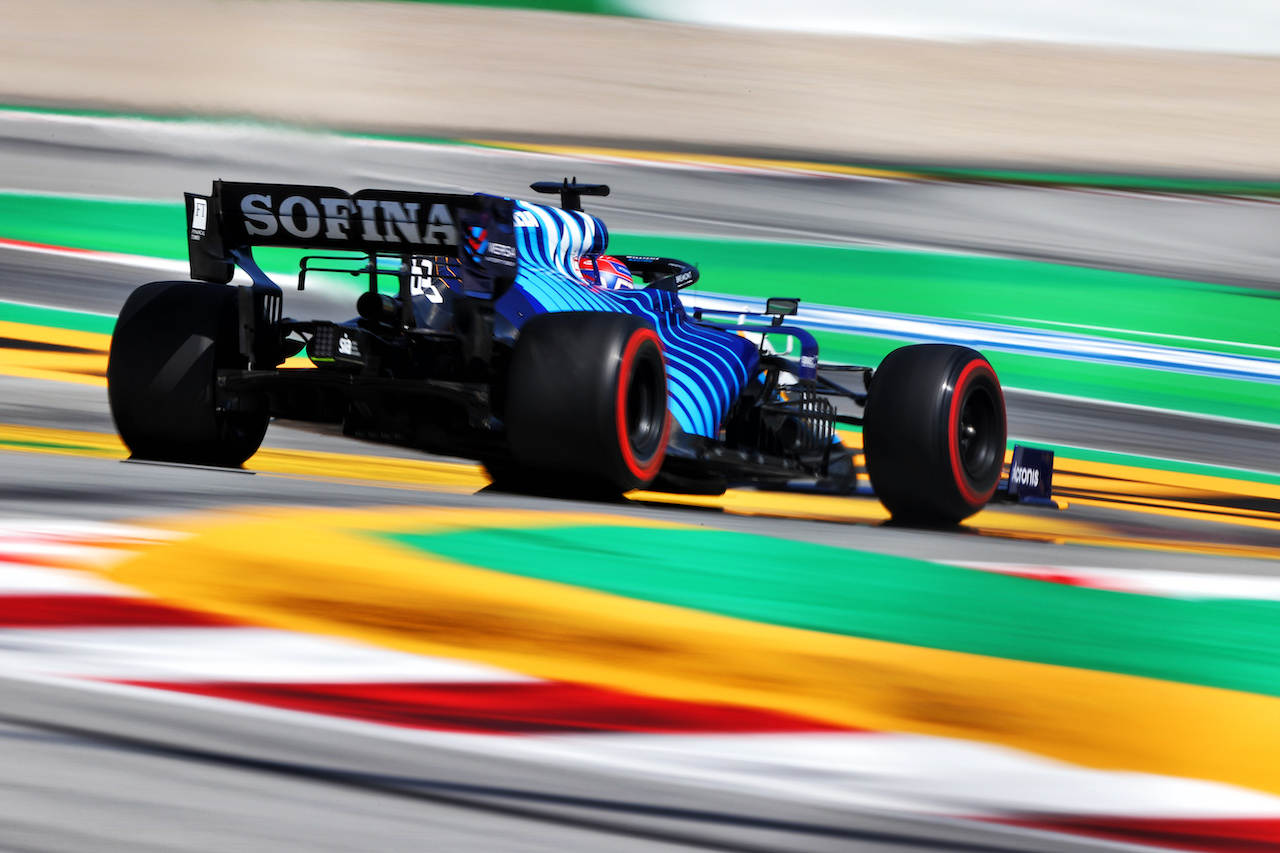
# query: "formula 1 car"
495,329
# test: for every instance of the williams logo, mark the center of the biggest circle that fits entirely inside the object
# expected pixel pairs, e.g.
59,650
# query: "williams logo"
477,243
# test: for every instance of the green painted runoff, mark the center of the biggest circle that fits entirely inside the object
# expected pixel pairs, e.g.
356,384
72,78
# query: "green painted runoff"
1005,291
56,318
1228,644
1020,293
1229,398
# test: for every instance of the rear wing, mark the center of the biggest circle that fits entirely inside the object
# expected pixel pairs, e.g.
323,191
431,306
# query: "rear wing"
225,225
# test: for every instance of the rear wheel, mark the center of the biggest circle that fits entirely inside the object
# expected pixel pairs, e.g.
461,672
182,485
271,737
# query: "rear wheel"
169,342
934,433
586,404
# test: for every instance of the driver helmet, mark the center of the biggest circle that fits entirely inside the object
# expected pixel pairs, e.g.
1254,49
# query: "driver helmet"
605,271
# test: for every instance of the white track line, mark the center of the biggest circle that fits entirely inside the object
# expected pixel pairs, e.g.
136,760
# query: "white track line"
1012,339
22,579
919,773
1189,585
912,774
261,655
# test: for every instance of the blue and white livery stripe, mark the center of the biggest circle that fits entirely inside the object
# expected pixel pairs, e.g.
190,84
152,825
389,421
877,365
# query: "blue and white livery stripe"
706,368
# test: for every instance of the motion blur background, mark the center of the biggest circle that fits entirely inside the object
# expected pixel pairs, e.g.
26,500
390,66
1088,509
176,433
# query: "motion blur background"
359,647
1138,85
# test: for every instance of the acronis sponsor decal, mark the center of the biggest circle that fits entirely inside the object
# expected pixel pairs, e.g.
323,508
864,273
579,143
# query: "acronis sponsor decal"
1025,476
1031,474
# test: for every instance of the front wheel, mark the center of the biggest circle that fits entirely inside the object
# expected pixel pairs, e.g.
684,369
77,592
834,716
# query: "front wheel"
934,433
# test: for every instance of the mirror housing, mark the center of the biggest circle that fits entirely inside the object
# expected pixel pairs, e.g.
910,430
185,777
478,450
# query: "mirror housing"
780,307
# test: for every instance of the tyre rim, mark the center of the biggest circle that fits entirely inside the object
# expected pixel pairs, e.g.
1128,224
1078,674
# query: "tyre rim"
977,433
644,425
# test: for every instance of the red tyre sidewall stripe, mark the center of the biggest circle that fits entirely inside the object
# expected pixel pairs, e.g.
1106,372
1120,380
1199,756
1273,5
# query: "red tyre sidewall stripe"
644,472
953,426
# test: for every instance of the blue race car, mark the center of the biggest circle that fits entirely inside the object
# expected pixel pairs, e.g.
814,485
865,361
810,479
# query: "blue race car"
500,330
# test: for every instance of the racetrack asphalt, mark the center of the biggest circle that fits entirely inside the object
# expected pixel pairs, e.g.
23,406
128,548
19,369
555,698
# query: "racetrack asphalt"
1225,240
184,776
1199,239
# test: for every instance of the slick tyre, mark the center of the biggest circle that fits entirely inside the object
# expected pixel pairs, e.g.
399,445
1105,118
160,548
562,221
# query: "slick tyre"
934,433
586,402
169,342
